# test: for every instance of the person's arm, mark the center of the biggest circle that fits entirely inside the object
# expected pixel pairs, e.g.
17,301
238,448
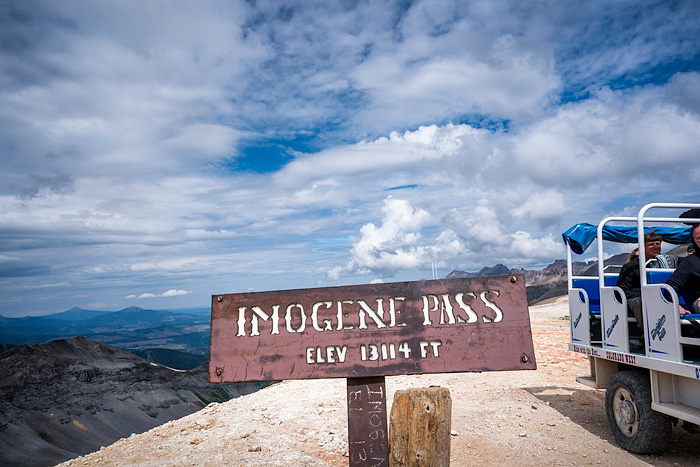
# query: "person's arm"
679,277
625,280
677,281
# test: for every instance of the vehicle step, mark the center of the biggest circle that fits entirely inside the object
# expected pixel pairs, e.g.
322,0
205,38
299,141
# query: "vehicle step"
682,411
587,381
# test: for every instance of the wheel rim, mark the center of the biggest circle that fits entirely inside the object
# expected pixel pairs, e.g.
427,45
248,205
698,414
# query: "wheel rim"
625,412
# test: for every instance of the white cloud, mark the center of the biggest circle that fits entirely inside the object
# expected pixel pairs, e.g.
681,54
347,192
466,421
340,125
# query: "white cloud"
147,295
202,141
510,88
201,234
173,264
633,136
396,244
412,149
524,246
175,293
542,206
480,227
169,293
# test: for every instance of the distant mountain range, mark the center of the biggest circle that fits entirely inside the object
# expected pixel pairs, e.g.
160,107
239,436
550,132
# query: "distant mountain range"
179,339
69,397
542,284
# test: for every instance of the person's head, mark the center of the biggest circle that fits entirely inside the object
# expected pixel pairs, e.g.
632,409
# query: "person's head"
652,245
633,254
695,238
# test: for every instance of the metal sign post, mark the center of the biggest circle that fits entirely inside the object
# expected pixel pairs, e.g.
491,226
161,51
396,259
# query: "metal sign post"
367,332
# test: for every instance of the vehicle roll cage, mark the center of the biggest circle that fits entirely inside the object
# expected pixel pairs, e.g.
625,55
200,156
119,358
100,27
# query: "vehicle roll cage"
639,221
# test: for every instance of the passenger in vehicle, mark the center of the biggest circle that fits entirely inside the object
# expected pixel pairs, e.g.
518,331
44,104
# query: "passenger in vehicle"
629,281
687,275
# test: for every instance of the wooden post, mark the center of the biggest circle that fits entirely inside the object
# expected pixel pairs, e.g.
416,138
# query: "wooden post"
419,430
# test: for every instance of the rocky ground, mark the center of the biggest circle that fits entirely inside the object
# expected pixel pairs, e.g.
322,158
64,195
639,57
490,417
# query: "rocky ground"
540,417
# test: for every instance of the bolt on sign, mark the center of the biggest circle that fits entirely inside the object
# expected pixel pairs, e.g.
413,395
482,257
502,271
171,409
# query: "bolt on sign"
438,326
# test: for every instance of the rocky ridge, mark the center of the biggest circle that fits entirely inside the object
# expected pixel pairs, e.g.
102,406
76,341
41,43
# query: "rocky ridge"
68,397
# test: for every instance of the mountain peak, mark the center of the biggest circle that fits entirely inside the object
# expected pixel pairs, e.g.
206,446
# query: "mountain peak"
497,270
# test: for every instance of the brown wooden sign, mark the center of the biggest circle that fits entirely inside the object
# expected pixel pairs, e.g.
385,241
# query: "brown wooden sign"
439,326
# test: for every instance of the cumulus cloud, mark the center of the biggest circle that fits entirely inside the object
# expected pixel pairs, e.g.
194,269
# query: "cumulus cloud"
478,226
525,246
542,206
396,244
478,237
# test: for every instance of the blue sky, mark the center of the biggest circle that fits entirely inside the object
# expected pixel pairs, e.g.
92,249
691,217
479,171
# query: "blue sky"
156,153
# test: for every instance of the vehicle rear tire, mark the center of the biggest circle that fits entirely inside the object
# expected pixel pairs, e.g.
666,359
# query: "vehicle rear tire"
634,425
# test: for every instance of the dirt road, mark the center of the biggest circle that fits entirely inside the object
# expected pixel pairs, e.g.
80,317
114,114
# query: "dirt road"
540,417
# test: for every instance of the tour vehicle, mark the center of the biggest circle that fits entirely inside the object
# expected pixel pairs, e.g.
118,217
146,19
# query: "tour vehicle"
651,372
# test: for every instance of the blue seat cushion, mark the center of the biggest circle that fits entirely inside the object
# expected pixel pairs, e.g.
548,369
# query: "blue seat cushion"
590,285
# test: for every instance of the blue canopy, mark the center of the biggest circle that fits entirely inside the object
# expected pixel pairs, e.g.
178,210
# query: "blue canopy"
580,236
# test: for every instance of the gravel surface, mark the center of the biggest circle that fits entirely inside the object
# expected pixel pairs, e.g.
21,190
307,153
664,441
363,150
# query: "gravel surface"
541,417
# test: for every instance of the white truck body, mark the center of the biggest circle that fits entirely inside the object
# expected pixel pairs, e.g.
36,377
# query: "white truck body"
602,329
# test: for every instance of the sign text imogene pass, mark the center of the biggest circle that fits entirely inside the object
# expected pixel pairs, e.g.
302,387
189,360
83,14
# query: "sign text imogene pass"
439,326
